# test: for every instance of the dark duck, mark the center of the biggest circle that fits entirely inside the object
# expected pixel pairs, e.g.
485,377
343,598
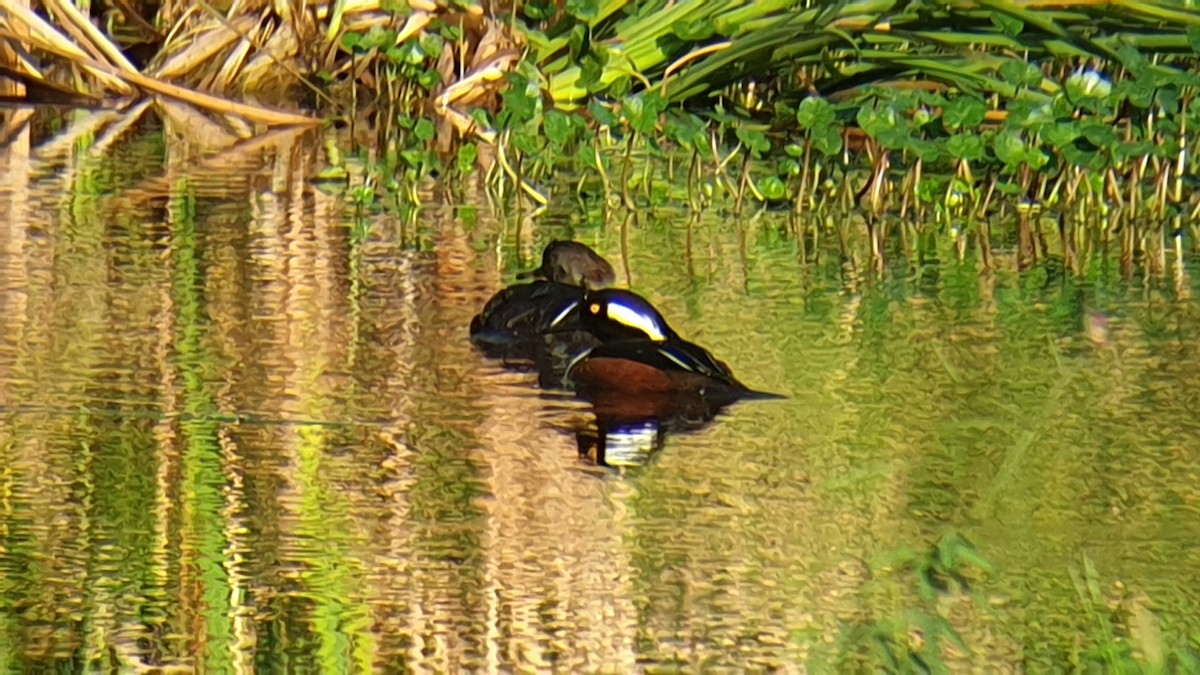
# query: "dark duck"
639,360
515,322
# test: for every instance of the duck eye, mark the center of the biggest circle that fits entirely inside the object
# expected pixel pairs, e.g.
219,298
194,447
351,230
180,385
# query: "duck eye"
594,308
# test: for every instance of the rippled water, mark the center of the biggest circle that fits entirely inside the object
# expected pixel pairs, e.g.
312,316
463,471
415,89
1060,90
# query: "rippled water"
243,431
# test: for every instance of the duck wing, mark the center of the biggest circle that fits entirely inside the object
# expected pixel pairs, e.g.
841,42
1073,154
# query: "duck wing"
528,310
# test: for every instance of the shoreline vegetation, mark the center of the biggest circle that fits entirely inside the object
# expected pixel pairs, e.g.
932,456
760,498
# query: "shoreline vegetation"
1055,129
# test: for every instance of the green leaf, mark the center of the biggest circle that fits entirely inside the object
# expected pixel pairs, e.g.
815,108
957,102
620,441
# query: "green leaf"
828,142
931,188
1009,25
584,10
578,41
893,139
1020,73
468,153
966,147
687,130
815,113
1139,92
432,43
877,121
519,107
591,70
1061,134
772,187
1079,154
1133,60
1134,149
1193,35
415,157
429,79
620,87
539,10
1168,98
376,38
970,555
1031,116
964,112
559,127
753,139
1036,158
424,130
642,111
1100,135
694,31
352,41
525,142
928,151
602,115
453,33
1008,189
481,118
409,53
1009,148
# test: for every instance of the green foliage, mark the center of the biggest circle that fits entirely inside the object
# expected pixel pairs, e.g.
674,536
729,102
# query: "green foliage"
946,568
945,109
817,117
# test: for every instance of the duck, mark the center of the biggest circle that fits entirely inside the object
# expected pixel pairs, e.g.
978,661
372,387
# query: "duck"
575,264
638,355
514,322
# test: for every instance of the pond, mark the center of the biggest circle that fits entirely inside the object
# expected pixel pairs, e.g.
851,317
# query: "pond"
244,429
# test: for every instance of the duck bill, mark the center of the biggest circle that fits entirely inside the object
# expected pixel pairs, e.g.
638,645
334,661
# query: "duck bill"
752,395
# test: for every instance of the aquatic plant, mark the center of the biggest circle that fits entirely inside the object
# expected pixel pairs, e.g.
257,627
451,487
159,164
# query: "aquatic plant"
1059,128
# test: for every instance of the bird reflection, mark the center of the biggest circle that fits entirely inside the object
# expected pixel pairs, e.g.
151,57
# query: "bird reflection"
627,432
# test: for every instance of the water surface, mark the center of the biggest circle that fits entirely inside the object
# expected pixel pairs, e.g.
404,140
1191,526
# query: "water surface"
243,429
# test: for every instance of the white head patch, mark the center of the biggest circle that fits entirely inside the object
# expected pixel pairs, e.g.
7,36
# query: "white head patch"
628,316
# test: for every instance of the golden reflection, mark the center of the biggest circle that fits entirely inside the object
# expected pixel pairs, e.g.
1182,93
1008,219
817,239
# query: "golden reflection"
244,427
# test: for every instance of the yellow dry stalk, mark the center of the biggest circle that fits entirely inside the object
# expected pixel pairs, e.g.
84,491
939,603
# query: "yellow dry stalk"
344,8
480,81
253,46
201,46
225,77
494,57
208,102
415,23
40,34
87,33
275,57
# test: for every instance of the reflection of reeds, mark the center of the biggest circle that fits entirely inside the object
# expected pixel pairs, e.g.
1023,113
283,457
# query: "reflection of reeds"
553,538
383,496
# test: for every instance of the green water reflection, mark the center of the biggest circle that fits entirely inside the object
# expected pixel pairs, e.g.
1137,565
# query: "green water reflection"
237,436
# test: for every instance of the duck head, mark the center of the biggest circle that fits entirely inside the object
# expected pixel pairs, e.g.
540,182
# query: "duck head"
575,264
616,314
